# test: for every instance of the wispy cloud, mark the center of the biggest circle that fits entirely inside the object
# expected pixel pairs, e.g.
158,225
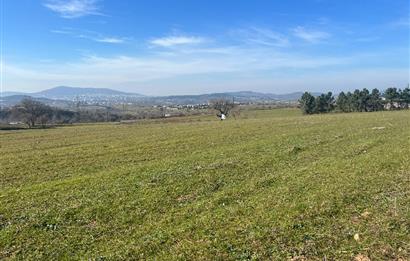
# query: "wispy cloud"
310,36
170,41
112,40
252,57
90,35
140,70
161,76
262,36
73,8
251,52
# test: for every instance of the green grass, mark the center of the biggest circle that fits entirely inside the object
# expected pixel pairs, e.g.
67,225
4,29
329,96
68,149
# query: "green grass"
272,184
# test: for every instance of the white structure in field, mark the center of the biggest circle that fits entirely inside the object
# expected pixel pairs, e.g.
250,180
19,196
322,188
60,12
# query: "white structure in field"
223,117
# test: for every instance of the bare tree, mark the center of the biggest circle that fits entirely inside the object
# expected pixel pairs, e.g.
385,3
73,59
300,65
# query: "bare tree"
223,106
31,112
236,112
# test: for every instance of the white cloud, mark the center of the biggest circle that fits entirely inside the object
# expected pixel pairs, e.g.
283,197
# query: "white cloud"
190,64
73,8
310,35
131,71
112,40
61,31
262,36
160,76
90,35
176,40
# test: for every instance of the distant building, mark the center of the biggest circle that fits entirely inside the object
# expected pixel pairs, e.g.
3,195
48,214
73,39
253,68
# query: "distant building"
394,105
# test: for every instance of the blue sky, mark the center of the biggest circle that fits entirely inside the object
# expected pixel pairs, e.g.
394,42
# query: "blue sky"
189,46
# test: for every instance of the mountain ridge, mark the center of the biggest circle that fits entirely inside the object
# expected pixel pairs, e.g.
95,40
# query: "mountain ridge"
59,91
67,91
90,95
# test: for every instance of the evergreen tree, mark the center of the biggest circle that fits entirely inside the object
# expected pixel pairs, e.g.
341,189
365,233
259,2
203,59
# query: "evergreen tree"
405,97
350,102
342,102
364,100
320,104
356,100
392,96
324,103
307,103
330,102
375,101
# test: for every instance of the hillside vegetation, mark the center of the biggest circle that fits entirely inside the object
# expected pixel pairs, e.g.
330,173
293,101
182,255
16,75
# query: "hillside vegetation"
271,184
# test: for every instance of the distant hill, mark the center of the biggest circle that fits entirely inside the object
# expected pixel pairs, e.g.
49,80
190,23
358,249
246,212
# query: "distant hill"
261,96
243,96
70,93
65,92
64,95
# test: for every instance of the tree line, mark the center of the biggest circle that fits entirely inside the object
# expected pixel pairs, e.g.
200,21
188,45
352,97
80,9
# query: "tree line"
357,101
37,114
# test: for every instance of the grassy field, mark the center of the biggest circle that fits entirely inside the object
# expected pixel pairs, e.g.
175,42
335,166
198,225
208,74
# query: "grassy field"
272,184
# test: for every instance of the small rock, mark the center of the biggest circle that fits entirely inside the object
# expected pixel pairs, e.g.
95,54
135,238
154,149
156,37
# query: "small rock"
356,237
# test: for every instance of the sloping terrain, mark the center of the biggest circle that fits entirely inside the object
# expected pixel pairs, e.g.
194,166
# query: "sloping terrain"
271,184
